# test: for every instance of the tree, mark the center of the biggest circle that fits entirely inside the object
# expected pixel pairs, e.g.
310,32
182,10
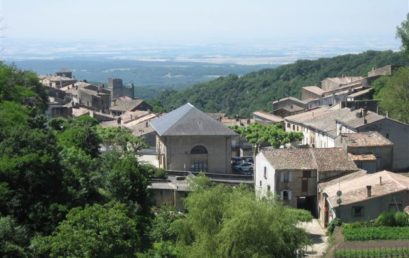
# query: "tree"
80,133
394,95
32,174
229,222
108,230
120,137
125,180
267,135
402,32
13,238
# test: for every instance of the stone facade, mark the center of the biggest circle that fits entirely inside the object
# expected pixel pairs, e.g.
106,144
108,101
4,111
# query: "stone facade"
175,153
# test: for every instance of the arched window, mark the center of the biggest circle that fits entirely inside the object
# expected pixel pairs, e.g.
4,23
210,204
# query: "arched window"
286,195
198,156
198,149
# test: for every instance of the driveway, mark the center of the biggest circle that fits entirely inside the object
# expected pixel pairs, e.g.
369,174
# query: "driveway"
318,238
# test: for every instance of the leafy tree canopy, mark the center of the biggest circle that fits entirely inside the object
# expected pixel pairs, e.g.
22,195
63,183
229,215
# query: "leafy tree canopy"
108,230
394,95
267,135
229,222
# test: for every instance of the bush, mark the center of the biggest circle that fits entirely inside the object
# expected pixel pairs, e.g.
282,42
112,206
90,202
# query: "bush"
392,219
386,219
401,219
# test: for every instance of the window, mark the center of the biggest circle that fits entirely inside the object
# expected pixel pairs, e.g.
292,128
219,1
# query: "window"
261,183
304,185
286,177
265,172
268,188
357,211
288,125
285,195
293,127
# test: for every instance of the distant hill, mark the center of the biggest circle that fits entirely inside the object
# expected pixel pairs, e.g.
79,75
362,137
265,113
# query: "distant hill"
242,95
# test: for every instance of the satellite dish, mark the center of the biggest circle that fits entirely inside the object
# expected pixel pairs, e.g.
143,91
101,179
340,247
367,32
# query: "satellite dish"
339,193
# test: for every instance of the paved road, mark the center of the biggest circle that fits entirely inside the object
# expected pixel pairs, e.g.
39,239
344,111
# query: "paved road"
318,237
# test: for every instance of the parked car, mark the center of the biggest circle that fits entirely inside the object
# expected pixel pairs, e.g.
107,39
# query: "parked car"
245,167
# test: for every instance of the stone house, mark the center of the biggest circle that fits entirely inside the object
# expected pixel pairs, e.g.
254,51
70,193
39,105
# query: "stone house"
293,174
397,132
190,140
362,196
124,104
332,83
95,98
288,106
369,150
318,126
266,118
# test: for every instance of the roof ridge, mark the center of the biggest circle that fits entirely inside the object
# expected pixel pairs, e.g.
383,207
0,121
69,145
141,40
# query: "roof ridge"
180,117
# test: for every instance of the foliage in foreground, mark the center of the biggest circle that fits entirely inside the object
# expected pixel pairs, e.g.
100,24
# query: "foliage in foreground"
94,231
223,221
402,252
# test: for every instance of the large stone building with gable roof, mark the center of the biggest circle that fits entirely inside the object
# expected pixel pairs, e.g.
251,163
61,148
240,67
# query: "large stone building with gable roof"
190,140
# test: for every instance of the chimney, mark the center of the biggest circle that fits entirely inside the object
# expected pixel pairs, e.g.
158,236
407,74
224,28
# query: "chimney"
369,190
380,180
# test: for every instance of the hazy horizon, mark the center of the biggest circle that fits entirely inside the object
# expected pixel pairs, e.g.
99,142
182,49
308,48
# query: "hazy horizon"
224,31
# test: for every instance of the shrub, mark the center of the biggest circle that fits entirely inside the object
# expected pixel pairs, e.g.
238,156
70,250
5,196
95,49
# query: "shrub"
386,219
401,219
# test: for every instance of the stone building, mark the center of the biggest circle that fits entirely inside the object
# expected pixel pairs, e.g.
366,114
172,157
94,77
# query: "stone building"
127,104
117,88
293,174
369,150
95,98
190,140
362,196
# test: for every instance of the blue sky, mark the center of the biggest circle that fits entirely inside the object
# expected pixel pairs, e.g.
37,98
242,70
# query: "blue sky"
193,21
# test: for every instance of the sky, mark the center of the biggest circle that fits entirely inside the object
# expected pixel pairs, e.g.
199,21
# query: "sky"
194,22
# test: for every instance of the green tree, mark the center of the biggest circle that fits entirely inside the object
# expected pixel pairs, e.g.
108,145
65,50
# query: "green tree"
121,138
402,32
13,238
229,222
267,135
394,95
80,133
126,180
109,230
22,87
32,174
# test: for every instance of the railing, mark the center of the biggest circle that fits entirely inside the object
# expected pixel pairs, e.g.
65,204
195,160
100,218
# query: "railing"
221,177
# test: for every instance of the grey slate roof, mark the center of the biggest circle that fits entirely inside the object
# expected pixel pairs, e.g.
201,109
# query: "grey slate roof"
188,120
354,121
320,159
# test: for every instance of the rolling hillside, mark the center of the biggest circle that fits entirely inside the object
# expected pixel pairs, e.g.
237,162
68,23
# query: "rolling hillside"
243,95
